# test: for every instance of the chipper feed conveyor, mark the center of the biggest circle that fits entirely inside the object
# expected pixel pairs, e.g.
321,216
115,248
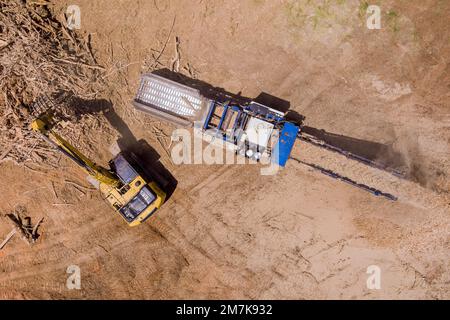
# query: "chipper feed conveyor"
252,130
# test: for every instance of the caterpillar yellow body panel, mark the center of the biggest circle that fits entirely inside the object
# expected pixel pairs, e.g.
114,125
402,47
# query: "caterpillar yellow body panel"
124,186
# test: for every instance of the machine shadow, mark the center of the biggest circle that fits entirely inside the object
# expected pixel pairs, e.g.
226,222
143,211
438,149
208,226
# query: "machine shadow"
146,155
207,90
373,151
368,149
221,94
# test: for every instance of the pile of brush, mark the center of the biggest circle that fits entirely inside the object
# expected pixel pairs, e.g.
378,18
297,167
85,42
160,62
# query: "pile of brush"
39,56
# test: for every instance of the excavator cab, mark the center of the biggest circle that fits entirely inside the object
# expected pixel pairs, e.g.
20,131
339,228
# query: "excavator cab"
136,199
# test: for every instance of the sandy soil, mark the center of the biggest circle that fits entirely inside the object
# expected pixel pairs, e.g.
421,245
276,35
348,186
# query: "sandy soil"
227,231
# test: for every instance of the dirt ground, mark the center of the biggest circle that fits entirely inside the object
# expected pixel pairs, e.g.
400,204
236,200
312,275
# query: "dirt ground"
228,231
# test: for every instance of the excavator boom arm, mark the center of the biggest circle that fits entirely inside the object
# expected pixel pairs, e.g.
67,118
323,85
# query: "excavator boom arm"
44,126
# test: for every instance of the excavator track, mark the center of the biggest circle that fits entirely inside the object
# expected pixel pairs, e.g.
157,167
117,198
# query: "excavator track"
372,178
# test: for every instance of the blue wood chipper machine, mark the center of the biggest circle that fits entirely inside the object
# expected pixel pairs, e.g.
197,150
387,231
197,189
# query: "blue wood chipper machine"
250,129
253,130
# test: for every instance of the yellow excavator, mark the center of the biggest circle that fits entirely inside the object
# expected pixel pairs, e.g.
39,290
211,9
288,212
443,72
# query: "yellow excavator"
124,185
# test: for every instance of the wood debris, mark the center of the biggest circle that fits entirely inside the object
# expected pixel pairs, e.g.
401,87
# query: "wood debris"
38,56
23,226
176,59
8,237
156,59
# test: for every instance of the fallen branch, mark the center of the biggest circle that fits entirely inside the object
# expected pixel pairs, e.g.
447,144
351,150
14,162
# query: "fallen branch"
176,60
165,44
62,204
6,152
19,227
36,227
79,186
8,237
78,63
54,190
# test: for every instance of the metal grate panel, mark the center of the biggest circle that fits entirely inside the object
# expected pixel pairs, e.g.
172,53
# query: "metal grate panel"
168,95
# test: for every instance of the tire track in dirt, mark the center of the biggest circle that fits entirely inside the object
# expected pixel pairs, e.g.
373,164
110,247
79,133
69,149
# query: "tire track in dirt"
232,253
105,240
84,233
201,240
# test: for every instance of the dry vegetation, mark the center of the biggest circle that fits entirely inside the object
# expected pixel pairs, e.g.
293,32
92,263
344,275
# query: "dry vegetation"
38,56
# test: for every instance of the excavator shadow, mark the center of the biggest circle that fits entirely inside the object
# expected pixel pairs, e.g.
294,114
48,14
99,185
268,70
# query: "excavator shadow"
140,152
149,160
377,152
